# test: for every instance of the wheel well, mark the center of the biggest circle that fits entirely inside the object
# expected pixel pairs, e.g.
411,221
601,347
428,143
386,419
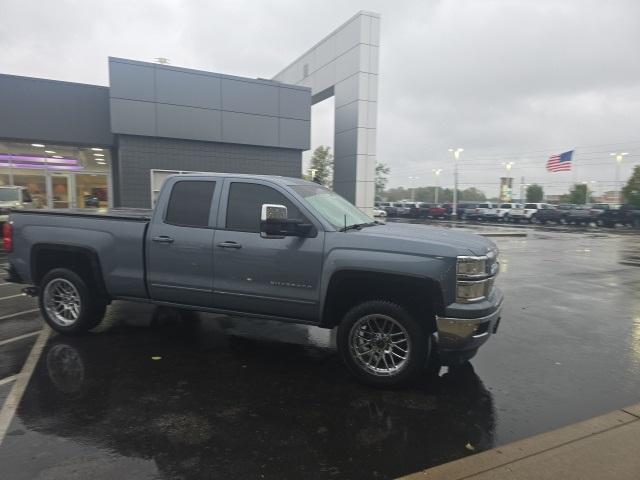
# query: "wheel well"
421,296
82,261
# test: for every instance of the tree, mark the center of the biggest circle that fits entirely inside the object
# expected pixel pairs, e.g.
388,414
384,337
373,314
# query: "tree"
535,193
631,191
382,170
321,168
578,195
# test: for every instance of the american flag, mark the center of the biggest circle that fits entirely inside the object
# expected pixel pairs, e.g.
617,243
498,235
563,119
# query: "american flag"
560,163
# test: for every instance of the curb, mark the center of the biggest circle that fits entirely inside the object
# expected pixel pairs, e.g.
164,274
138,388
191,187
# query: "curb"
549,455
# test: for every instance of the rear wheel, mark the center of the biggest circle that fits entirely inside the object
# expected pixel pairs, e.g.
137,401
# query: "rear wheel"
382,344
67,304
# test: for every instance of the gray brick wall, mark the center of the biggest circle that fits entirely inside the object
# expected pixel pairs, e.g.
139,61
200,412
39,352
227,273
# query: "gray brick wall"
137,155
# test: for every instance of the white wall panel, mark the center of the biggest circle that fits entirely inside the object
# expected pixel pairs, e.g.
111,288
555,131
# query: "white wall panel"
347,59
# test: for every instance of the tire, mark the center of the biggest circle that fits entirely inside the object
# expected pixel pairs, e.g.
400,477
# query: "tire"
533,218
386,321
81,310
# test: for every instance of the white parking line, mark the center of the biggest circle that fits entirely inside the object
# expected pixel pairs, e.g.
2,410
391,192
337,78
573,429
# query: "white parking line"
6,380
19,337
4,317
18,388
13,296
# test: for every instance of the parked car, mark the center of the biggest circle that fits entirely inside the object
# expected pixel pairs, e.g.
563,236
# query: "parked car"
627,214
274,248
598,209
549,213
389,208
402,209
13,198
501,212
465,208
479,212
579,215
379,213
460,209
432,210
526,212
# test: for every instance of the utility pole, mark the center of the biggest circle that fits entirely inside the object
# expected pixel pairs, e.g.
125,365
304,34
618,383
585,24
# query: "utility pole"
456,156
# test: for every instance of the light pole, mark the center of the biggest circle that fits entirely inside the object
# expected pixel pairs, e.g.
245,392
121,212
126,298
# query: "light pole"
618,162
456,156
437,171
413,188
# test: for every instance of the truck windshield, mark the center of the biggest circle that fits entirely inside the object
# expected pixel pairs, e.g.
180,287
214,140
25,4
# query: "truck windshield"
332,206
9,195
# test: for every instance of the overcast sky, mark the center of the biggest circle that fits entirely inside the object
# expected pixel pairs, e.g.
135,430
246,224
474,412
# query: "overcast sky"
508,80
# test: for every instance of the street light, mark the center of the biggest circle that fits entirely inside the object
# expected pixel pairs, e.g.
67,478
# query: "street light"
618,162
437,171
413,190
456,156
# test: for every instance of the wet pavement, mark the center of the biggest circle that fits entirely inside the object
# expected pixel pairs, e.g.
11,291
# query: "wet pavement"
160,394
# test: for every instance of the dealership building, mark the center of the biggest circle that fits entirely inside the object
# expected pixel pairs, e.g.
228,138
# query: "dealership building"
78,145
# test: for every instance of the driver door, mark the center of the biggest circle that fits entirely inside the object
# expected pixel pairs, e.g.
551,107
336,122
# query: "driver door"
270,276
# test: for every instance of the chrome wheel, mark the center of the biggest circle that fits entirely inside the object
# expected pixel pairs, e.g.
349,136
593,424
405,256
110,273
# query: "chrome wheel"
62,302
379,345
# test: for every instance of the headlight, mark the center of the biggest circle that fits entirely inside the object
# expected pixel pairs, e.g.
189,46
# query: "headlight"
475,277
471,291
472,267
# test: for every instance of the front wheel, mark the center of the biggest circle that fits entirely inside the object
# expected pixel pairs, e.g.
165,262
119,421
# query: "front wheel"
382,344
67,304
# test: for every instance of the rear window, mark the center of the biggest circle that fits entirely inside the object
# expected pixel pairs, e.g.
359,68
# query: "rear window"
531,205
505,205
190,204
484,205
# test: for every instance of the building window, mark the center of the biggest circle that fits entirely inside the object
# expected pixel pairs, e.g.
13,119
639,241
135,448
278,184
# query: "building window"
58,176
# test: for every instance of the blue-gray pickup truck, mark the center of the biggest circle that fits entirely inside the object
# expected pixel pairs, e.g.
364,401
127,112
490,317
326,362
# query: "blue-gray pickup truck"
268,247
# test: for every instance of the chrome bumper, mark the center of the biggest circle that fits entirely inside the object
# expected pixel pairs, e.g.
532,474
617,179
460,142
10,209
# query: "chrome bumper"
466,334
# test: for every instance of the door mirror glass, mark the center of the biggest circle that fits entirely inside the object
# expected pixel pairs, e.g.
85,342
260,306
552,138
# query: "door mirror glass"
274,223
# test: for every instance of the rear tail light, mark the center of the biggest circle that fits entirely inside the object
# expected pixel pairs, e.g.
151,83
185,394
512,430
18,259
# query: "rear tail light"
7,237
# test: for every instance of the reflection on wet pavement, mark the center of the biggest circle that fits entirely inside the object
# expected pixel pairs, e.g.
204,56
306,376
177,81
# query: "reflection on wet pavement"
223,398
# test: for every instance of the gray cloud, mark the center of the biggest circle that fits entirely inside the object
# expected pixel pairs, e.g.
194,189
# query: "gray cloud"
505,79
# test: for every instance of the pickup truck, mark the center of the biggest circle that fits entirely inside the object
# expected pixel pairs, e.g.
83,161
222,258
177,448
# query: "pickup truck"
12,198
501,212
624,215
526,212
268,247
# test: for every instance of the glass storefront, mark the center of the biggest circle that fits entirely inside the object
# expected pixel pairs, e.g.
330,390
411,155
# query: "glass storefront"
58,176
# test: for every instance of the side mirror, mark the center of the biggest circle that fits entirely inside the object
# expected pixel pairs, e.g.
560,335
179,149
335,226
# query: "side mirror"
274,223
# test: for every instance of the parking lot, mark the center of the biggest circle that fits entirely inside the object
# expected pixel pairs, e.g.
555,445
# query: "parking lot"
162,394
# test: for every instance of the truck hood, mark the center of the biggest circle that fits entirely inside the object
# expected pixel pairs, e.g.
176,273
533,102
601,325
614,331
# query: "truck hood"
397,233
8,204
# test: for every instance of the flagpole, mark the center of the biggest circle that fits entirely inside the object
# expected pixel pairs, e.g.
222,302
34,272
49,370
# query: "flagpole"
574,169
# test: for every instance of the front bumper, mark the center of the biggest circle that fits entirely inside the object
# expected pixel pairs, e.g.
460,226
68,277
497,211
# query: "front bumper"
460,336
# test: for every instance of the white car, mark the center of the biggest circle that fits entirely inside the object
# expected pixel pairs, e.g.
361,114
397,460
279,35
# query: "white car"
502,211
526,212
378,213
12,197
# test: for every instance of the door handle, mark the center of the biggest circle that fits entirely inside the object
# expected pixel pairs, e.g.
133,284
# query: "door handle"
229,245
162,239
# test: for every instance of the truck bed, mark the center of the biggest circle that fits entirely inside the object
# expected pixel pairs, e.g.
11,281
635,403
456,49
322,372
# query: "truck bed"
133,214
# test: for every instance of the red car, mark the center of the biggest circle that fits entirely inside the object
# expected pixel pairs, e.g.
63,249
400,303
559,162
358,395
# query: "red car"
432,210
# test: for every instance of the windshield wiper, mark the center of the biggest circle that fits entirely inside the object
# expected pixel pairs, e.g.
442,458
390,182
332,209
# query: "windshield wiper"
359,226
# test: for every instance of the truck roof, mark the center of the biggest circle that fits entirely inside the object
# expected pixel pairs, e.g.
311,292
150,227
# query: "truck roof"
274,178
